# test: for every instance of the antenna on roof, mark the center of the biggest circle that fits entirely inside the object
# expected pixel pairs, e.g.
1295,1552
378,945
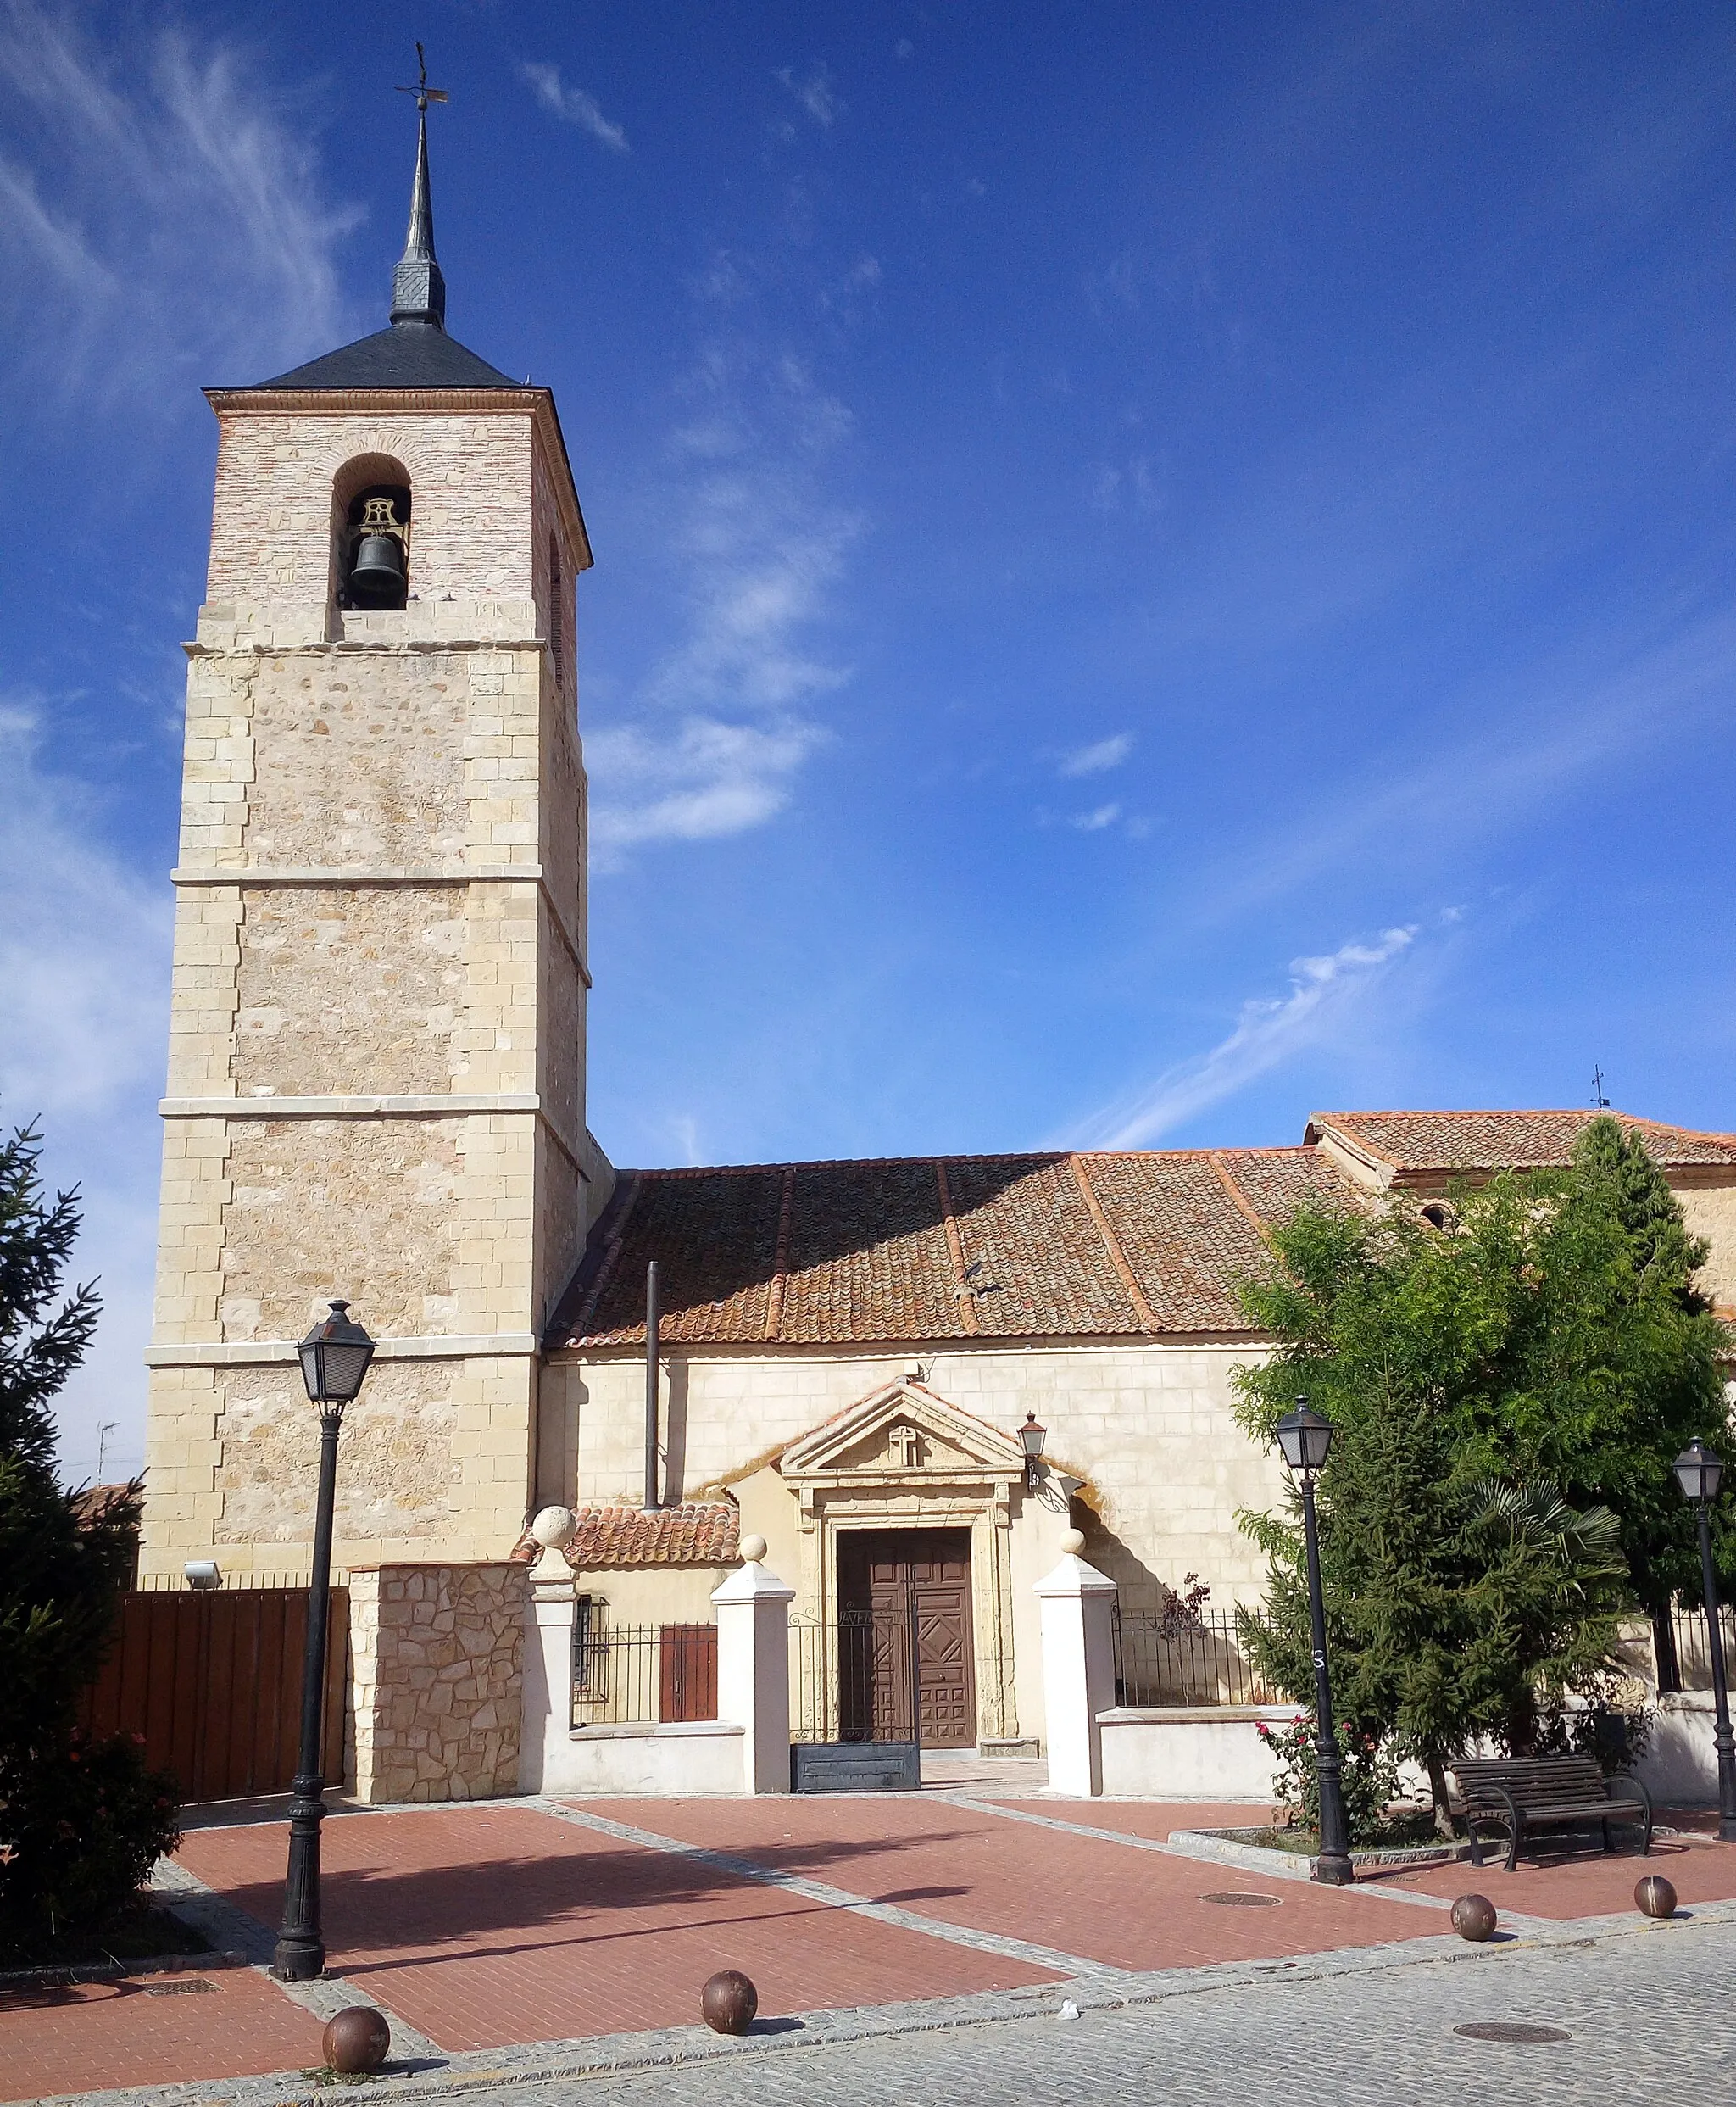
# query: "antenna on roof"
1597,1090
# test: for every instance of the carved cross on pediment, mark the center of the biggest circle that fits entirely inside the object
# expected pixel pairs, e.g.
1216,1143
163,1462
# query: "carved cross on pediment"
906,1446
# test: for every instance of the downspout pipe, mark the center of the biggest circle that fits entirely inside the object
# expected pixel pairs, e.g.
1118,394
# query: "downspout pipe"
652,1313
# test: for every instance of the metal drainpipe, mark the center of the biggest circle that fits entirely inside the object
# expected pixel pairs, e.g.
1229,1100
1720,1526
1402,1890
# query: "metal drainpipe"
652,1316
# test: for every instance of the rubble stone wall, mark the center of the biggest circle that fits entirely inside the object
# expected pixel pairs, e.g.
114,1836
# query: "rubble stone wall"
437,1679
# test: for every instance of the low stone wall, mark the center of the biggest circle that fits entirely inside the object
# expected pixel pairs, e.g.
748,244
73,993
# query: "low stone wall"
683,1757
1190,1753
437,1655
1680,1765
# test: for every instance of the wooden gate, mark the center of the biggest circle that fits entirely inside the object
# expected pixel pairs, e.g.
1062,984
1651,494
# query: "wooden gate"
687,1662
213,1680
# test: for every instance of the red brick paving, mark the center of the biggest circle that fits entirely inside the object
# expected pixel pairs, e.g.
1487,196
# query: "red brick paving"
483,1926
97,2035
1575,1883
1079,1895
1155,1819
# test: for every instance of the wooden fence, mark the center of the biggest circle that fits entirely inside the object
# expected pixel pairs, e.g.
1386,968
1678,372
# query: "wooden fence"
213,1680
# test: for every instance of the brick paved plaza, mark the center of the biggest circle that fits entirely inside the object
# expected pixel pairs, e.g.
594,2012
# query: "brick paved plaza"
518,1940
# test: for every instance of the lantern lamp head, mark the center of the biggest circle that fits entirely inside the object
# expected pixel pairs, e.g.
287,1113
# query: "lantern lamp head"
1306,1436
1699,1472
334,1357
1031,1439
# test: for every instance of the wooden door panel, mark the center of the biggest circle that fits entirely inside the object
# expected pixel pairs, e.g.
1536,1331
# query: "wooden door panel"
901,1582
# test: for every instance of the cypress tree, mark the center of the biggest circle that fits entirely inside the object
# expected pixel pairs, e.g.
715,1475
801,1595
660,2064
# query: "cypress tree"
81,1821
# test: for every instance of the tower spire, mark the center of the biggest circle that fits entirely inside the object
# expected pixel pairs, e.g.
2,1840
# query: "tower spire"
418,289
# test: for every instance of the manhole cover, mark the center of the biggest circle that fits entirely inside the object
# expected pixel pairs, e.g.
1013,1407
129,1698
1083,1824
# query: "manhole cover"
178,1988
1243,1902
1511,2030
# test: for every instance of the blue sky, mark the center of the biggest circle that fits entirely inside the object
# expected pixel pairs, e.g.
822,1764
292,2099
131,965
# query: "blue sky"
1159,567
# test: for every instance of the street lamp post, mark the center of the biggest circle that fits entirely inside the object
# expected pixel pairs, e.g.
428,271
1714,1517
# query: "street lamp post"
1305,1439
334,1357
1699,1474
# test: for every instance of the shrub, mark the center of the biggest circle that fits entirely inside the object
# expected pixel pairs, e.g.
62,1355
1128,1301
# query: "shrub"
1369,1776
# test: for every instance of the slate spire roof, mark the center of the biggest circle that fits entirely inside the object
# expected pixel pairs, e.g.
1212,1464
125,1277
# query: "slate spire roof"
415,351
418,288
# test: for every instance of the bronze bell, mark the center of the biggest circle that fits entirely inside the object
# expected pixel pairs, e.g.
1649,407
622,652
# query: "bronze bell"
378,570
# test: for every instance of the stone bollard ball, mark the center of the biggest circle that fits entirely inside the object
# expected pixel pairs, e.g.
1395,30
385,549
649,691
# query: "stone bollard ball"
554,1528
1072,1542
1474,1917
752,1550
355,2043
728,2002
1656,1896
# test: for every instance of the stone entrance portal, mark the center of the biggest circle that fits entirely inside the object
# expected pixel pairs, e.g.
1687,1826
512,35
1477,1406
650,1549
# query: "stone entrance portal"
905,1481
912,1587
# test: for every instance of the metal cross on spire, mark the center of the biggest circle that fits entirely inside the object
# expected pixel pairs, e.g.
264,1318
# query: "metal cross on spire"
418,289
423,94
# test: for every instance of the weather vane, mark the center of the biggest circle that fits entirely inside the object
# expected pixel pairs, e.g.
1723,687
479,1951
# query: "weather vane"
1597,1090
423,94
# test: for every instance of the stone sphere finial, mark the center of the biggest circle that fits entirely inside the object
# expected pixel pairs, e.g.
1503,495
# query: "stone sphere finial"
1072,1542
554,1528
752,1550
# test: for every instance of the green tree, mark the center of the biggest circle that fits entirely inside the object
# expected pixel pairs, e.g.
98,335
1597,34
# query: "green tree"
81,1822
1510,1392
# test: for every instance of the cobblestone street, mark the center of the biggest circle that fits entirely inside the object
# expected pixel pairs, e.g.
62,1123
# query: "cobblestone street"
1648,2011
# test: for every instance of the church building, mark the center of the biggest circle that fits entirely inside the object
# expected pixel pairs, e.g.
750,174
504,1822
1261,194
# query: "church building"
908,1374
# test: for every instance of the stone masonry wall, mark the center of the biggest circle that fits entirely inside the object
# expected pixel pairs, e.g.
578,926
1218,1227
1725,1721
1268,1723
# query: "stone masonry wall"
437,1661
1148,1428
377,1041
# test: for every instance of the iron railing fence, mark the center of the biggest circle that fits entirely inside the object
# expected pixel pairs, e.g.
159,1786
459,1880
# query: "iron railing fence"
231,1584
628,1675
1687,1637
1183,1657
853,1680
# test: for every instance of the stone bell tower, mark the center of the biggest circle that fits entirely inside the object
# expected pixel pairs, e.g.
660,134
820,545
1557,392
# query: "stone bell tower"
376,1058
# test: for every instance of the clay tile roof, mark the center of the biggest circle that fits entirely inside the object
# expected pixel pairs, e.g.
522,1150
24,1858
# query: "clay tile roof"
908,1249
1425,1142
699,1532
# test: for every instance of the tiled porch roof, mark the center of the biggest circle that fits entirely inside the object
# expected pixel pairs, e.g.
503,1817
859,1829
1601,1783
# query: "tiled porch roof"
699,1532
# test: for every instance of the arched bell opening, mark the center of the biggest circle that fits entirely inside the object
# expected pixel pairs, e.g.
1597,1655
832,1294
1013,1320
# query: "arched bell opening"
370,537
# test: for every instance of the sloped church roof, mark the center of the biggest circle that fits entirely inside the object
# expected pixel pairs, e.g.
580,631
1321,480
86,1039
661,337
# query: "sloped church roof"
1114,1244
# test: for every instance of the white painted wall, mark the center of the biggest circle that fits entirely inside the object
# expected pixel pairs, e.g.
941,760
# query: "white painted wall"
1202,1753
702,1756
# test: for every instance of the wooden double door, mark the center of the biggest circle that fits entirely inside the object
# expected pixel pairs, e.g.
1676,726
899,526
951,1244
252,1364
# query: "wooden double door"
908,1592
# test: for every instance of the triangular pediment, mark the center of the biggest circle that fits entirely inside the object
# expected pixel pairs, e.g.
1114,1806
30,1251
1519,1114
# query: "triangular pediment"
903,1429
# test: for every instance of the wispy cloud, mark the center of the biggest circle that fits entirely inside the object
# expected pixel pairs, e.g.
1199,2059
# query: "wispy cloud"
1269,1031
124,199
1097,759
815,91
573,106
722,723
706,779
1095,821
83,957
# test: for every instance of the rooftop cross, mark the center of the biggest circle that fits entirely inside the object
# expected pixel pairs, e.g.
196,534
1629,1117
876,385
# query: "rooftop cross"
418,289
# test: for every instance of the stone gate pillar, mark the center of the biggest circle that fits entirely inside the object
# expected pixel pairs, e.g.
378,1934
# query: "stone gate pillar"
1078,1667
753,1667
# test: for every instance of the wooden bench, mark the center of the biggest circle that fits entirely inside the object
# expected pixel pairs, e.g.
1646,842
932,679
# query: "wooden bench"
1555,1792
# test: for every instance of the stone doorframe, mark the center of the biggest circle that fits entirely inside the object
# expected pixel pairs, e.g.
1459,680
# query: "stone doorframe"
903,1457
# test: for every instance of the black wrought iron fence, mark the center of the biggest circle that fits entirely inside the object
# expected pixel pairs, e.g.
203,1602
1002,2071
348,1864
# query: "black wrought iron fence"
1181,1656
852,1681
625,1675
